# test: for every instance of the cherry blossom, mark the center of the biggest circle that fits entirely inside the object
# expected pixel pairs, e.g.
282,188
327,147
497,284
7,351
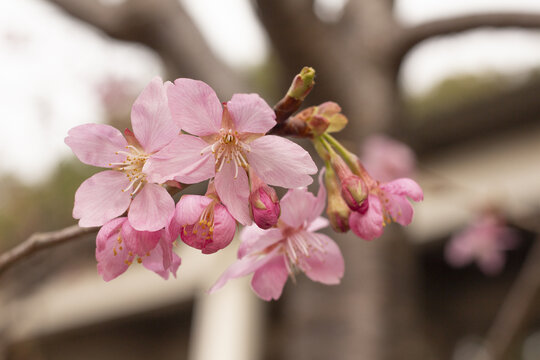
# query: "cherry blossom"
203,222
224,142
274,254
110,193
118,245
484,241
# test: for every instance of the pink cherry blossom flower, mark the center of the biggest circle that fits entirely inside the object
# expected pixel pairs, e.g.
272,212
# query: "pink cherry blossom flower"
484,242
272,255
110,193
118,245
225,141
203,222
387,159
386,202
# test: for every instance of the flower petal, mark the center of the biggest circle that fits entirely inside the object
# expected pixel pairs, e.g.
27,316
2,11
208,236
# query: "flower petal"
100,198
111,259
190,208
296,206
139,242
404,186
399,208
195,107
255,239
317,224
234,193
96,144
151,208
369,225
151,118
320,201
251,114
240,268
281,162
224,230
269,279
181,160
327,266
162,260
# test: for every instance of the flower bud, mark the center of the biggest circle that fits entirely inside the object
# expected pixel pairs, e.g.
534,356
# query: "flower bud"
354,191
264,203
302,84
338,212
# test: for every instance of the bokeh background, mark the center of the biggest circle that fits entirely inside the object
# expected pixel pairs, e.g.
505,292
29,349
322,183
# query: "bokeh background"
457,81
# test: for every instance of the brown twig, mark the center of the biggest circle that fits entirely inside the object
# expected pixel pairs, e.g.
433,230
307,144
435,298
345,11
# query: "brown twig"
40,241
513,314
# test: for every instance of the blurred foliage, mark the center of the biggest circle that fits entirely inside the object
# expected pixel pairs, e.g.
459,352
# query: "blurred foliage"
26,209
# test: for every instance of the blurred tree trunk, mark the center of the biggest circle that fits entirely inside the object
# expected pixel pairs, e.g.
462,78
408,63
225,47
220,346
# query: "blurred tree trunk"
165,27
372,314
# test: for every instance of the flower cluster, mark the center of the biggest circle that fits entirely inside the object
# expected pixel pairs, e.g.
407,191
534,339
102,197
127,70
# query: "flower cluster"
182,134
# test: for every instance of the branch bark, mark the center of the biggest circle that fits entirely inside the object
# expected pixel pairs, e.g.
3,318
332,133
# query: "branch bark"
513,315
410,37
165,27
40,241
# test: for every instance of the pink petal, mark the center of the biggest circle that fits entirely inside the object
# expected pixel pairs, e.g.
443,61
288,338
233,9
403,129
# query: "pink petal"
224,230
251,114
195,107
151,208
327,266
181,160
405,187
269,279
320,201
317,224
96,144
190,208
240,268
139,242
100,198
234,193
368,226
151,118
162,260
491,263
281,162
255,239
399,208
111,259
296,206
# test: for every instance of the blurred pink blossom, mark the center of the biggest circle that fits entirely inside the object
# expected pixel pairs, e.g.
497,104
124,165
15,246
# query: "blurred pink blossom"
118,245
387,159
226,141
484,242
272,255
109,194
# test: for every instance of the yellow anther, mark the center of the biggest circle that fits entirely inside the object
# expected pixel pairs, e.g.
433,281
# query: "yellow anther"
130,253
114,252
139,260
121,248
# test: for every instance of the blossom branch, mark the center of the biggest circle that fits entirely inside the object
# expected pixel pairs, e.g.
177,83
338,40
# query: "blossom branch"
414,35
40,241
513,315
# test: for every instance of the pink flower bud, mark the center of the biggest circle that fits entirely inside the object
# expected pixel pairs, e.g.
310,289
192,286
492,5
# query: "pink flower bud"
264,203
302,84
354,191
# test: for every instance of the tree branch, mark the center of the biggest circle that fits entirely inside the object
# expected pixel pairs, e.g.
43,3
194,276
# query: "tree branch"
410,37
513,315
40,241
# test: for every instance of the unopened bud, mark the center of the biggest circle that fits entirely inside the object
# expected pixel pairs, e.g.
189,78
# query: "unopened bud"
264,203
354,192
338,212
302,84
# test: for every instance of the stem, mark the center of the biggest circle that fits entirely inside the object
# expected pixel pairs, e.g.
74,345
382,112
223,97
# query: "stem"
349,157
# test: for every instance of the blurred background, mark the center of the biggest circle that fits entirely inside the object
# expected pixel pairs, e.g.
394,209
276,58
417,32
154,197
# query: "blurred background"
457,81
